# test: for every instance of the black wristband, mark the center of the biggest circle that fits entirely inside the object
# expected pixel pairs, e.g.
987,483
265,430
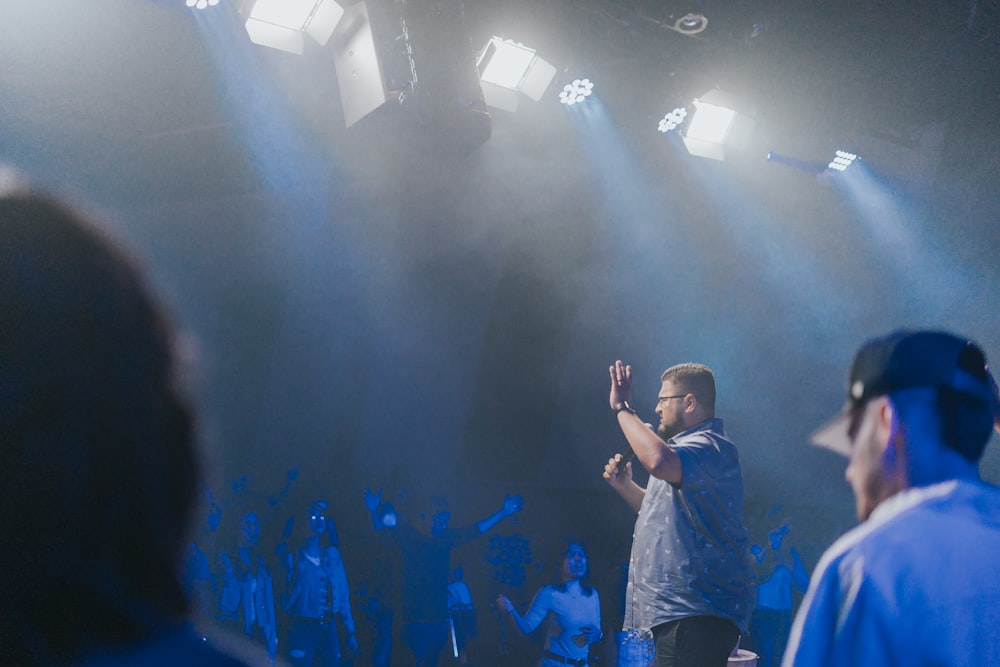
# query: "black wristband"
624,405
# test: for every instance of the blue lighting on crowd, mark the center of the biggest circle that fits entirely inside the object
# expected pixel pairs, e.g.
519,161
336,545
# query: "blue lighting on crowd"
576,92
672,120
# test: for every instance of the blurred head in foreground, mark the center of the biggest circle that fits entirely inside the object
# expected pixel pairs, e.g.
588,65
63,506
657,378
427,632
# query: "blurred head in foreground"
98,468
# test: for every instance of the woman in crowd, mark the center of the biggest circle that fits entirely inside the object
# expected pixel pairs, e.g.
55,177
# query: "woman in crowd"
319,600
571,608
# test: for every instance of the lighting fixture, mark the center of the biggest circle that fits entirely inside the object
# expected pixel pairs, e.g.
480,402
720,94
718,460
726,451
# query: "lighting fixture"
841,161
672,120
691,24
576,92
715,124
282,24
507,68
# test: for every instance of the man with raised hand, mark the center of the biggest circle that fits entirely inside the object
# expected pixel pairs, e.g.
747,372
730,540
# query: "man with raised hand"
689,581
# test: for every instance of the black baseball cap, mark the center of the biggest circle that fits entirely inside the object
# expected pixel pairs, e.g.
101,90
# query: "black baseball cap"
903,360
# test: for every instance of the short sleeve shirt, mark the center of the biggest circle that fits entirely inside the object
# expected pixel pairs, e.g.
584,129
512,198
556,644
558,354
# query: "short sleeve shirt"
689,545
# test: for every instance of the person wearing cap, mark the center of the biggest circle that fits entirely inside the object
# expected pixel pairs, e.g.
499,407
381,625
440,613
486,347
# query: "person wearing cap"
689,577
917,582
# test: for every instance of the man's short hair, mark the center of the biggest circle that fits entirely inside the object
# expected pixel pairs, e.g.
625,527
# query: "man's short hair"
696,379
965,422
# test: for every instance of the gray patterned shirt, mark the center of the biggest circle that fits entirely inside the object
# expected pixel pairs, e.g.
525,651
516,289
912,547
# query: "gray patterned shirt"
689,545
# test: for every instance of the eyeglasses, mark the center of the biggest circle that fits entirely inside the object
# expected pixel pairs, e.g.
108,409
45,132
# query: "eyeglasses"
662,399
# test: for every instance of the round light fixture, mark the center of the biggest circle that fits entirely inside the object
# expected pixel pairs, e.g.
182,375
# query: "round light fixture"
691,24
672,120
576,92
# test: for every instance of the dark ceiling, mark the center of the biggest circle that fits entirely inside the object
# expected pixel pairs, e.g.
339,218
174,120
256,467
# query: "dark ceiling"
123,96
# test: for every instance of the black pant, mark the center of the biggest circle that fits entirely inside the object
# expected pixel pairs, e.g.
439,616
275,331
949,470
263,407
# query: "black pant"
426,639
696,641
312,641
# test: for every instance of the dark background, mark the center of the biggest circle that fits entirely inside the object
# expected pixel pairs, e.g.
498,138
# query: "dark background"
411,306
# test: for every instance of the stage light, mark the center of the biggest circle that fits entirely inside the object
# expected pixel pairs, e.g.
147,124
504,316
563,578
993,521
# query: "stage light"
576,92
672,120
715,124
710,122
507,68
281,24
201,4
841,161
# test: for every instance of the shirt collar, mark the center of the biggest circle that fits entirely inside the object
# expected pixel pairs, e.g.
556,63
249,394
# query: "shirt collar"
712,424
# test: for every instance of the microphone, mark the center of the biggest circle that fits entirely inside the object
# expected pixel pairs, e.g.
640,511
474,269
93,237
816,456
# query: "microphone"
628,454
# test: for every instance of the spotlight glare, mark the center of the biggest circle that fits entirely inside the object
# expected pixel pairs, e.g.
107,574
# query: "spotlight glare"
711,123
715,127
842,160
576,92
672,120
190,3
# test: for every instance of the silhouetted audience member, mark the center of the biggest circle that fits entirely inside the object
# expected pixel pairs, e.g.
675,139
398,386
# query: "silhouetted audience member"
917,582
381,590
98,464
461,610
425,564
779,572
247,598
196,579
319,602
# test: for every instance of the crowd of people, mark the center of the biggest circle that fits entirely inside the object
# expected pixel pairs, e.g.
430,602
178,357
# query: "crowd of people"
100,469
300,602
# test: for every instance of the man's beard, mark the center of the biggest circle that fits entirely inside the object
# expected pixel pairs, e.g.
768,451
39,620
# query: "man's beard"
667,431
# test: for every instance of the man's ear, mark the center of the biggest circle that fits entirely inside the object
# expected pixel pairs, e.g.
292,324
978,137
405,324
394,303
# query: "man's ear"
890,432
885,421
